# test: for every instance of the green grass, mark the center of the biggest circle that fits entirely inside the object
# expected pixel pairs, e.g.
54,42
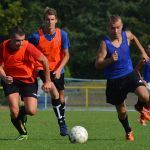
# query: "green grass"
105,132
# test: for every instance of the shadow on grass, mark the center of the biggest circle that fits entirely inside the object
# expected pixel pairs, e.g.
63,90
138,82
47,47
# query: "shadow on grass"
7,139
102,139
57,139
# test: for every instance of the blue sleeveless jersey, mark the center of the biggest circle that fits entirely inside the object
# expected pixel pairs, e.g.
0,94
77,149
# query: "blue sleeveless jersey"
123,66
146,72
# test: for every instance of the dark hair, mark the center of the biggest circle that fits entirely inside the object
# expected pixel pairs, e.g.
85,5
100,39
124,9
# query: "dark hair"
16,30
49,11
114,18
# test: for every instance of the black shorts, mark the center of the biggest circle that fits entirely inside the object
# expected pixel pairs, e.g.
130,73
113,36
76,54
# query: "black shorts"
59,83
117,89
24,89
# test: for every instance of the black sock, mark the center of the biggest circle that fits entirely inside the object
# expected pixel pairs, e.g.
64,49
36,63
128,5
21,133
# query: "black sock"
63,111
22,114
139,105
125,124
57,109
19,126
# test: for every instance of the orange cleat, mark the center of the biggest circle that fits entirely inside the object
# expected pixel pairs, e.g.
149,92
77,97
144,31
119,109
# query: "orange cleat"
129,136
147,108
142,120
145,114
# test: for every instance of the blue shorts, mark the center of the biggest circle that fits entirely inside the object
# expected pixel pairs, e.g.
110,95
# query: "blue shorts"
117,89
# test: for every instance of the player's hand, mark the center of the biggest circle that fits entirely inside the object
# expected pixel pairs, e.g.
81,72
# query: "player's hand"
8,79
47,86
145,83
57,74
114,56
145,57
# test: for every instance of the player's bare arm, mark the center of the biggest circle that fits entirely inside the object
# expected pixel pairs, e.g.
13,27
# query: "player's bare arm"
101,61
64,61
47,85
4,77
131,37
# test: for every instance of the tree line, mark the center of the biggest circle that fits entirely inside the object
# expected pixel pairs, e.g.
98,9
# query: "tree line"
86,24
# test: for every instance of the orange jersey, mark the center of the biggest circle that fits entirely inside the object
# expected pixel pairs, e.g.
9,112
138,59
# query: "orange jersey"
21,63
51,49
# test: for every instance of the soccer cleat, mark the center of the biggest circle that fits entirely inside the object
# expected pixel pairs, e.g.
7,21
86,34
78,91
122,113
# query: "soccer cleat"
144,111
63,130
145,114
147,108
142,120
129,136
22,137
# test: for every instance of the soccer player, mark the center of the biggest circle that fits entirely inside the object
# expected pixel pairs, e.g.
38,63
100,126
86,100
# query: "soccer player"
114,57
54,44
18,74
146,79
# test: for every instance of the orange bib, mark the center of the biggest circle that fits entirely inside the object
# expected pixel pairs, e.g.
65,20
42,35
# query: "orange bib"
51,49
19,65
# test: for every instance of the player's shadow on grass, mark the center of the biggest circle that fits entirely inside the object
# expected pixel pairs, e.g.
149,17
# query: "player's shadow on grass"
102,139
7,139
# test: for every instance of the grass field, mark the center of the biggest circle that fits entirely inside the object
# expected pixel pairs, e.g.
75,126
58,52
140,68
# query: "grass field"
105,133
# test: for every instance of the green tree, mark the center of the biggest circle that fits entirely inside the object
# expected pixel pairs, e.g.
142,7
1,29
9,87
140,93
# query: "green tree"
10,15
86,23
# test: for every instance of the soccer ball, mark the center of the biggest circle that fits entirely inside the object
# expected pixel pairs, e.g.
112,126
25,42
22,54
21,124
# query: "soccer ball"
78,134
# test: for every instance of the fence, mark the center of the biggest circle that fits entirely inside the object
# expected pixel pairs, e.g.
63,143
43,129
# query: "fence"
85,95
80,94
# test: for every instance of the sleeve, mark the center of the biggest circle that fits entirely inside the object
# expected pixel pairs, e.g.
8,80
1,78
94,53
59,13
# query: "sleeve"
1,53
34,38
33,51
65,40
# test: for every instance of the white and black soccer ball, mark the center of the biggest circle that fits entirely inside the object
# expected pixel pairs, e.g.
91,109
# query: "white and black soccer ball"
78,134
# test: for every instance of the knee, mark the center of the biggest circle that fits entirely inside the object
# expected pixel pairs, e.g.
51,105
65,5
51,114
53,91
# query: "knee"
31,111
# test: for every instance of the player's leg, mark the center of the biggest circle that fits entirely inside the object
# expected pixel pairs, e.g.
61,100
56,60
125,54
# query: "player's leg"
63,126
59,109
59,83
22,114
63,104
143,95
139,107
12,94
28,94
116,93
13,100
123,118
30,104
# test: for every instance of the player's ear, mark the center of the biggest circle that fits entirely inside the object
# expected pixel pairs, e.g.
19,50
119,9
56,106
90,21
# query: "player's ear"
56,20
122,25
